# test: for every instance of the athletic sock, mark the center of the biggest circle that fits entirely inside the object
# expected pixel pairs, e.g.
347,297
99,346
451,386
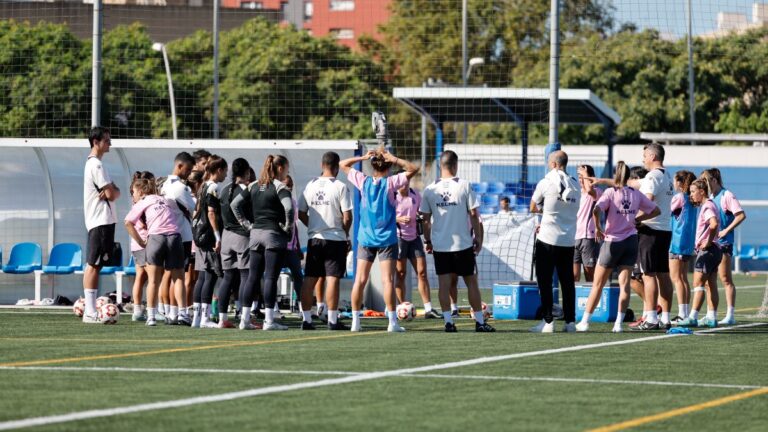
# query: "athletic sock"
255,306
664,318
321,308
90,301
454,307
222,317
645,314
586,317
196,310
333,316
694,314
307,316
174,312
151,313
447,317
355,318
392,315
237,305
161,308
427,307
619,319
729,312
711,315
245,315
653,317
276,308
269,315
682,310
204,313
479,317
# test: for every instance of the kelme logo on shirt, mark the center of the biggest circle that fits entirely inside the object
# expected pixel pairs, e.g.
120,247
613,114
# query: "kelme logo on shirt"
446,196
626,205
320,199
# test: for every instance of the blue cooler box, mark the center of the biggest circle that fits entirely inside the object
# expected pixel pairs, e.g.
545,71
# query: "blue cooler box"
606,308
517,300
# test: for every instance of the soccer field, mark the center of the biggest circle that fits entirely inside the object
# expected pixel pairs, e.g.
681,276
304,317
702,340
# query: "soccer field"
59,374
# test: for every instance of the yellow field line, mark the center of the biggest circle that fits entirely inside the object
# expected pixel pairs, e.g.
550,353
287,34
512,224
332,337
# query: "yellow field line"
681,411
747,309
96,340
176,350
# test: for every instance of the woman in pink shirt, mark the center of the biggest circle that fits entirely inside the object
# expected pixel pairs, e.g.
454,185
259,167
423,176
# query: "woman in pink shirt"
163,245
587,248
624,208
708,256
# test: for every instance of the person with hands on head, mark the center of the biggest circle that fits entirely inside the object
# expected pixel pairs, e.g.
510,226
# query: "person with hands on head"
377,233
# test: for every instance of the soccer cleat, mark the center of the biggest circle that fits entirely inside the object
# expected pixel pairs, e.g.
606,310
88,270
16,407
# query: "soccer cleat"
151,322
617,329
395,328
569,327
637,323
139,318
432,314
248,326
665,326
184,320
274,325
171,320
647,326
706,322
727,321
209,324
484,328
582,327
450,328
307,326
91,318
688,322
676,320
543,327
455,313
226,324
338,326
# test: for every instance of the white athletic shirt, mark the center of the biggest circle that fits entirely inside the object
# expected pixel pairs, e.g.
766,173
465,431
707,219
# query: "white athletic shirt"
557,195
324,200
97,211
449,201
658,183
175,189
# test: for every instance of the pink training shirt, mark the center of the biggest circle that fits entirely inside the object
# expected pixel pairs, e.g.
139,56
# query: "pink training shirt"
621,207
707,211
160,214
394,183
142,230
408,206
585,223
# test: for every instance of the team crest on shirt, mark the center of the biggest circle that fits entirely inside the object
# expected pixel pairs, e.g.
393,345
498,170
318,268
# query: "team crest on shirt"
447,199
626,203
320,199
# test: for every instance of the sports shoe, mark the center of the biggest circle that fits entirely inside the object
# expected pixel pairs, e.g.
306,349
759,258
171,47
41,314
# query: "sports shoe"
676,320
665,326
274,325
151,322
569,327
338,326
706,322
455,313
196,320
356,328
140,318
432,314
727,321
484,328
226,324
647,326
450,327
617,329
248,326
171,320
184,320
209,324
395,328
582,327
307,326
688,322
637,323
91,318
543,327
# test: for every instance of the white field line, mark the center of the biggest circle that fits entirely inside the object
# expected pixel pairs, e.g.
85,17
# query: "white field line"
343,373
109,412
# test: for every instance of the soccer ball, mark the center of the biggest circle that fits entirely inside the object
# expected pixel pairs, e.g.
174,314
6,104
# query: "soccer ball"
101,301
79,307
406,311
109,313
486,311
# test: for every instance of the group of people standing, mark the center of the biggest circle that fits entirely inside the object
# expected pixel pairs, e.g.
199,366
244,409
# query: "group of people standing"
652,227
198,232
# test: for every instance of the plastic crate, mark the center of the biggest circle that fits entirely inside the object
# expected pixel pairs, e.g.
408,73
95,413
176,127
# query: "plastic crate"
606,308
517,300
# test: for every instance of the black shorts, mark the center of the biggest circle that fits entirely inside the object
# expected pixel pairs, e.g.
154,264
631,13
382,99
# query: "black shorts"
101,244
326,258
165,251
726,249
708,261
461,263
410,249
653,250
189,257
586,252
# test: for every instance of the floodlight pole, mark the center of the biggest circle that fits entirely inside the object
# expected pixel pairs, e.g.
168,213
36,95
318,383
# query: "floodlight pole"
691,82
96,65
161,47
554,71
215,69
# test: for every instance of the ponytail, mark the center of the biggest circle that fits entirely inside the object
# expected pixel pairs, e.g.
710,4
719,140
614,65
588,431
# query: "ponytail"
269,170
622,174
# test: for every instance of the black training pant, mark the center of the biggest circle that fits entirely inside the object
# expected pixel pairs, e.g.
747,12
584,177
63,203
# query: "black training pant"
549,258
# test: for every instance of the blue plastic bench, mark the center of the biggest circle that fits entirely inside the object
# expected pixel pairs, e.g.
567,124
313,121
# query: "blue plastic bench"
25,258
65,258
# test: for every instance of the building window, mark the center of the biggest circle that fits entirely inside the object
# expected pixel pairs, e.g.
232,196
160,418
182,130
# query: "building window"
309,10
342,5
252,5
342,33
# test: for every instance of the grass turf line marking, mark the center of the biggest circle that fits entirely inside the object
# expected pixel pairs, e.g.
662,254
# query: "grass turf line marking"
681,411
179,403
181,349
344,373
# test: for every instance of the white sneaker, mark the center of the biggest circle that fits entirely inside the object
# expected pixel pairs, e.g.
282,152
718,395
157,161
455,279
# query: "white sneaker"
582,327
138,318
160,317
92,318
617,329
196,320
569,327
247,326
274,325
543,327
395,328
356,327
209,324
151,322
727,321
